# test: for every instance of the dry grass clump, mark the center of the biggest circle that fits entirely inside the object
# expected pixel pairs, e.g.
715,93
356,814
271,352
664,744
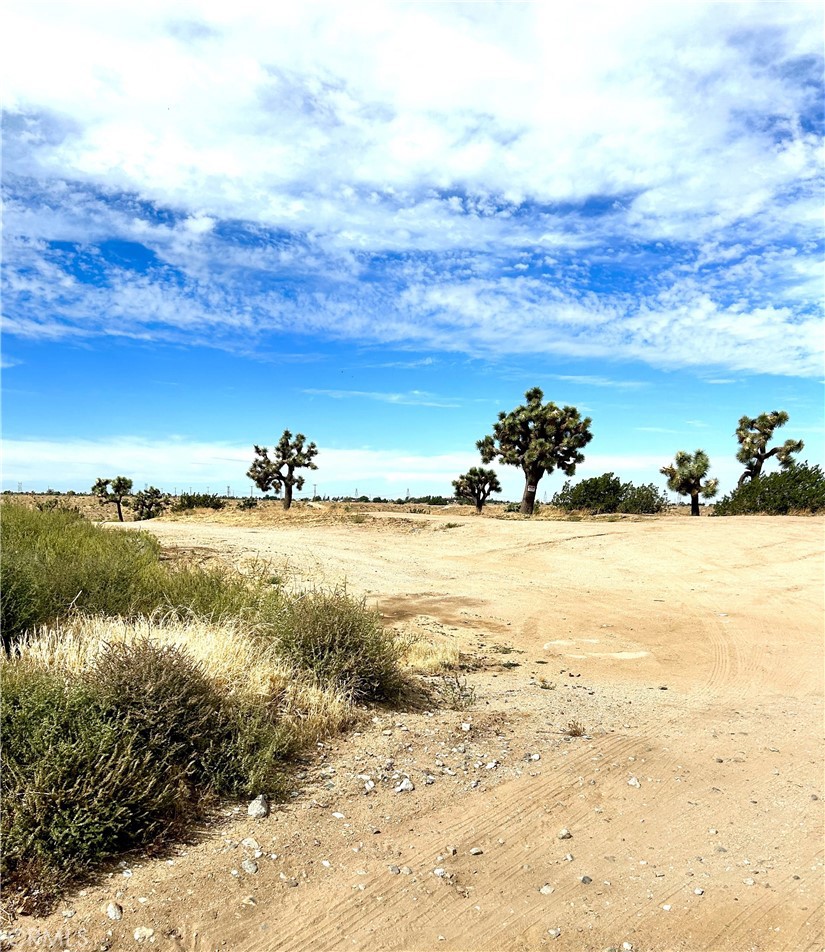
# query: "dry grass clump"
429,654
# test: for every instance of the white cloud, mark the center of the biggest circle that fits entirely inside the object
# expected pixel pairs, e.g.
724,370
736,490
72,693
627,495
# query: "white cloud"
392,167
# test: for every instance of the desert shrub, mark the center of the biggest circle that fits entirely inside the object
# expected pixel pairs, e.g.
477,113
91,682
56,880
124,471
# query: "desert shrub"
608,494
130,752
248,503
340,642
800,488
56,561
198,501
77,787
646,499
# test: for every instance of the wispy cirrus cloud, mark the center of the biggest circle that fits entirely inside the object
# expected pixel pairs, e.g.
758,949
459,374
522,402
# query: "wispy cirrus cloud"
412,398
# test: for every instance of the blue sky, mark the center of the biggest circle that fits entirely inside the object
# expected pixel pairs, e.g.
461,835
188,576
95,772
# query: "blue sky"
380,223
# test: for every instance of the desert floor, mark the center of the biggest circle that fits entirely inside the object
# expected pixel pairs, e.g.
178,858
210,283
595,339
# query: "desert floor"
689,650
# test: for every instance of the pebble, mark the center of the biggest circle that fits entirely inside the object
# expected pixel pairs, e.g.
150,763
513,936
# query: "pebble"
249,866
546,889
338,816
586,880
452,850
258,808
466,727
405,786
395,870
667,907
565,834
633,782
250,843
249,901
476,851
406,871
369,786
68,913
114,911
554,933
440,872
142,933
535,756
698,891
568,858
748,881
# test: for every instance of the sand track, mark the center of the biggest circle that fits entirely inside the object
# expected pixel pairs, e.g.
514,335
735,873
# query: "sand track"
692,652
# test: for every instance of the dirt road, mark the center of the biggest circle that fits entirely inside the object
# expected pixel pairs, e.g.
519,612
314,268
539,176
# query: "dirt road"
690,651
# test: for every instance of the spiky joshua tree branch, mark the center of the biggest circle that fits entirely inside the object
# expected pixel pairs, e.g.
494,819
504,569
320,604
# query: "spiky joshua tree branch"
754,434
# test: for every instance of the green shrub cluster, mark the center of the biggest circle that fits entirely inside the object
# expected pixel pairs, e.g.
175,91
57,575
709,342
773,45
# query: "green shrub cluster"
608,494
149,503
341,643
129,754
248,503
198,501
800,488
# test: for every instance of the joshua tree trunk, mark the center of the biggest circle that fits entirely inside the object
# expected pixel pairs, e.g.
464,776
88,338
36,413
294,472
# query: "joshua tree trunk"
528,500
119,510
287,495
694,504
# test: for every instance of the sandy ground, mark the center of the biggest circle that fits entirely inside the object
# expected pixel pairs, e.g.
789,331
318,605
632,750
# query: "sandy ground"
689,650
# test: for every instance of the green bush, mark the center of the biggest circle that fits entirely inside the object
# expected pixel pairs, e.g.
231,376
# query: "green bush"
129,754
339,641
249,503
198,501
55,561
608,494
800,488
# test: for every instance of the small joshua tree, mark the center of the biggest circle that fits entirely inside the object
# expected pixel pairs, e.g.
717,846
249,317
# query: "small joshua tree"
149,503
476,485
754,434
279,472
685,477
120,487
539,438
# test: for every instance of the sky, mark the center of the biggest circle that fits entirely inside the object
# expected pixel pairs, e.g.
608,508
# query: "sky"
379,224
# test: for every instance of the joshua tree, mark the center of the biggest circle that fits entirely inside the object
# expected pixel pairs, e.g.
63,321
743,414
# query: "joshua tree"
149,503
539,438
121,486
754,434
477,484
686,475
279,473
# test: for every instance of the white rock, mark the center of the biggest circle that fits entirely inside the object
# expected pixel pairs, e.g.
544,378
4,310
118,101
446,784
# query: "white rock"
142,933
466,727
405,786
627,946
369,786
114,911
338,816
565,834
698,891
476,851
546,889
633,782
259,807
250,843
440,872
667,907
249,866
554,933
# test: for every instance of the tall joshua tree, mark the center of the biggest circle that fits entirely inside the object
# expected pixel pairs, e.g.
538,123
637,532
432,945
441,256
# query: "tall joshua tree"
538,437
120,487
279,472
685,477
754,434
477,484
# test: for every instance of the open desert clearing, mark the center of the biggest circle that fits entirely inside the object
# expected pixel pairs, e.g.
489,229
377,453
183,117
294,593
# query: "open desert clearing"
689,650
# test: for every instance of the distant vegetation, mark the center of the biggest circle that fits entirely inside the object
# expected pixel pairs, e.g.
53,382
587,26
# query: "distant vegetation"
198,501
800,488
607,494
